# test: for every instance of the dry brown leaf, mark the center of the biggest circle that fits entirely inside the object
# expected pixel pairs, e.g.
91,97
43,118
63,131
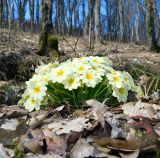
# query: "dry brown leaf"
65,127
81,149
55,144
123,145
33,145
36,121
142,109
130,155
98,110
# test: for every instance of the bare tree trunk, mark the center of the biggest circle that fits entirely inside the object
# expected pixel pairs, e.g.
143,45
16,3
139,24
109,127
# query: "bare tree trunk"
97,20
58,16
138,22
86,24
63,17
12,16
70,27
6,5
10,11
1,12
76,15
50,5
31,5
121,17
37,14
21,13
150,17
91,12
42,13
157,23
131,21
108,20
83,13
74,11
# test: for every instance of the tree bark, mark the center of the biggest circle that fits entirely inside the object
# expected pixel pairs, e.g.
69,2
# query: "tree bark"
1,12
63,28
58,26
150,19
70,26
91,12
37,14
31,6
121,17
97,20
138,22
21,13
131,20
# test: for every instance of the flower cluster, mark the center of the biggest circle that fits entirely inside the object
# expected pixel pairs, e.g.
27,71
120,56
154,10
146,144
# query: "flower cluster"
72,75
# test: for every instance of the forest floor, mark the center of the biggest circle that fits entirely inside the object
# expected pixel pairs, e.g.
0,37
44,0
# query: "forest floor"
97,131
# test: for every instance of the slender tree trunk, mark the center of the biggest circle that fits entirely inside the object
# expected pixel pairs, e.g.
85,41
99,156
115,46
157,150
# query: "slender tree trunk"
1,12
9,6
32,14
131,21
83,13
6,4
97,20
58,16
86,23
75,19
37,14
12,16
108,19
157,22
138,22
42,13
63,17
121,17
21,13
70,27
150,18
50,5
91,12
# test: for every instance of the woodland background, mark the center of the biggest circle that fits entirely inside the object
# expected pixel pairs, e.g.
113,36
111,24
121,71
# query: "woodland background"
114,20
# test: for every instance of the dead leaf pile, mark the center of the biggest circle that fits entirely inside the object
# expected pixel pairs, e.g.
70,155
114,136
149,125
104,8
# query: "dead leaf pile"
99,131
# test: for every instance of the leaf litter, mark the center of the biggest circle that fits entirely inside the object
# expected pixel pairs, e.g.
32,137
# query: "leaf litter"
99,131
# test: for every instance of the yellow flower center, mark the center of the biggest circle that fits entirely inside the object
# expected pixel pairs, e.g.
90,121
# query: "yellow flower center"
71,81
89,76
94,68
126,79
95,61
36,81
46,79
60,73
121,90
81,68
81,58
116,78
37,89
33,101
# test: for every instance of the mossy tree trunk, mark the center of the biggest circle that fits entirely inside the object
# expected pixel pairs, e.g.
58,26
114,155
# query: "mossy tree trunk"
150,19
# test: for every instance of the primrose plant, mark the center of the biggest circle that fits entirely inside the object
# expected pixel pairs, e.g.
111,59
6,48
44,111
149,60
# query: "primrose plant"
75,81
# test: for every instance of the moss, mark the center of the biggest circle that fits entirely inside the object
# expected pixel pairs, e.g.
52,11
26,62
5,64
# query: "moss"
2,99
53,42
54,53
49,47
42,44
